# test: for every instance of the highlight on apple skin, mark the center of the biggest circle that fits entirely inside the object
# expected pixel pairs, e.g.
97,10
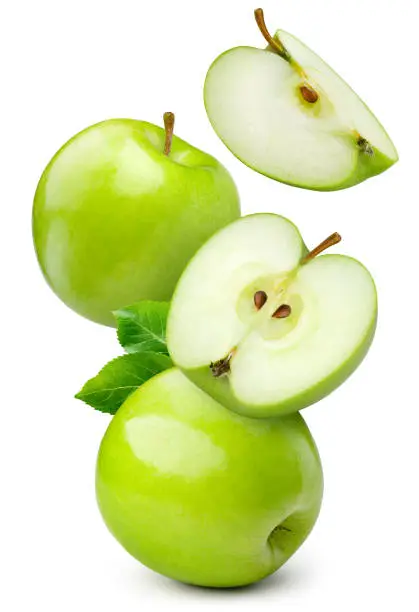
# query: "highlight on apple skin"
265,326
286,114
120,210
203,495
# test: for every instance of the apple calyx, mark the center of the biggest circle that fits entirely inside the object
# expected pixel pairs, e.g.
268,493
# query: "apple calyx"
222,366
279,528
169,126
365,146
308,93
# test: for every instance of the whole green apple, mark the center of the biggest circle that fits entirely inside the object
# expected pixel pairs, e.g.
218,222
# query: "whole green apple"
120,210
201,494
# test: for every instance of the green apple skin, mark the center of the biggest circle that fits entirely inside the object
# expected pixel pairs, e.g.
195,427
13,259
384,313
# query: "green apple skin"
220,389
201,494
115,220
365,169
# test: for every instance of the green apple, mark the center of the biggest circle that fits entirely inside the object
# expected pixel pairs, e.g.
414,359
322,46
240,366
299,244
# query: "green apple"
201,494
265,326
285,113
120,210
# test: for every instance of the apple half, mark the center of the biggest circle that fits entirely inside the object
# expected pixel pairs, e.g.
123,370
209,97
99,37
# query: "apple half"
286,114
265,326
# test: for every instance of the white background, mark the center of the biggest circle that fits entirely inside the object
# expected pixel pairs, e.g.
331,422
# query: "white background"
66,65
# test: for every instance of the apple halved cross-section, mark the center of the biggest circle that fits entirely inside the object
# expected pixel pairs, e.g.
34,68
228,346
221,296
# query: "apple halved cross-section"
263,325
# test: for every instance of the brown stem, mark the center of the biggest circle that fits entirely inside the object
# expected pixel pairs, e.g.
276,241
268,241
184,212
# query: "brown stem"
169,125
308,93
329,242
273,42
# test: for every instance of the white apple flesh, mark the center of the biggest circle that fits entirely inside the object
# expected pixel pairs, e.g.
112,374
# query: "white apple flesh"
279,354
285,113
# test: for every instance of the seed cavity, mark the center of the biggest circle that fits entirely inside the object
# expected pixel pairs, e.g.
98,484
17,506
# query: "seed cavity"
260,299
282,312
309,94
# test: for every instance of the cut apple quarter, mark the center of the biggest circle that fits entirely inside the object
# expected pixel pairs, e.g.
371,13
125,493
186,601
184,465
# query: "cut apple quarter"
286,114
265,326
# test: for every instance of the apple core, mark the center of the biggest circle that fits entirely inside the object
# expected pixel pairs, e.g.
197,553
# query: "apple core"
269,327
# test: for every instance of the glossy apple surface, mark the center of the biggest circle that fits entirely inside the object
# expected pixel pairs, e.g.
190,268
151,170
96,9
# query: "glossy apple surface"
248,358
115,220
203,495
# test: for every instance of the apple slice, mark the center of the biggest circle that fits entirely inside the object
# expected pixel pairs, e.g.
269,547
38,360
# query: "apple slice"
263,325
285,113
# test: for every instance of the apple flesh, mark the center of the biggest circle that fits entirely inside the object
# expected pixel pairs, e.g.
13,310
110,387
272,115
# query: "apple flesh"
116,218
285,113
201,494
279,354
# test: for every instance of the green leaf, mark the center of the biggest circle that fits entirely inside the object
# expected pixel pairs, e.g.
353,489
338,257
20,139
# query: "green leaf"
121,377
142,327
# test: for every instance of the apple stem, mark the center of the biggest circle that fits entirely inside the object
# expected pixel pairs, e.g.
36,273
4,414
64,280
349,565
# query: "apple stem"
308,93
169,125
274,43
329,242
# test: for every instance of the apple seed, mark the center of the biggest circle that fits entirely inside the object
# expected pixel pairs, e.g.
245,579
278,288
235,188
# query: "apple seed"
260,299
282,312
309,94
